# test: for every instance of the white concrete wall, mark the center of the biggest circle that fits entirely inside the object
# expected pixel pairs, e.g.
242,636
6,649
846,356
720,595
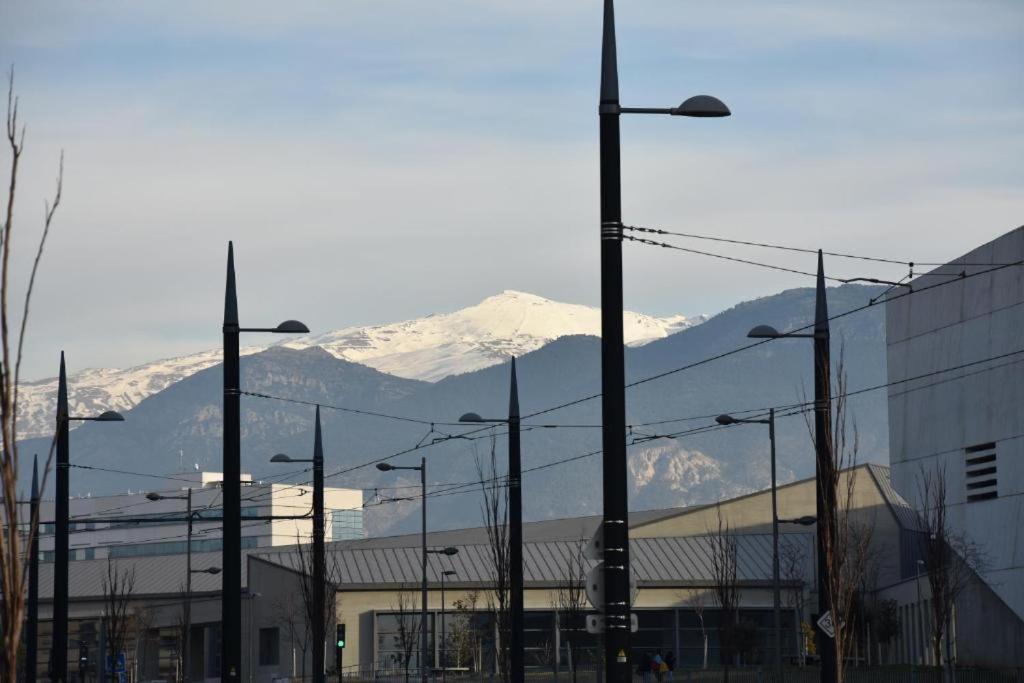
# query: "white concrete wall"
932,421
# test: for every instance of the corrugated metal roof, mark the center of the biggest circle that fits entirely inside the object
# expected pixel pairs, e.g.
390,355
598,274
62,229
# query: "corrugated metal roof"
154,575
674,560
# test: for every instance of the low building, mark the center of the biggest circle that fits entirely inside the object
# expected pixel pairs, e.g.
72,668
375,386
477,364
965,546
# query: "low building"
133,525
378,599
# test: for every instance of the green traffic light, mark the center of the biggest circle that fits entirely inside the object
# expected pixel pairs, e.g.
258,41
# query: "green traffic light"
341,643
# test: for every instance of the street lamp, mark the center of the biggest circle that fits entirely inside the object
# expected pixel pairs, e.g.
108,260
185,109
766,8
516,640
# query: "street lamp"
444,636
615,522
450,552
231,595
319,562
824,462
186,646
59,650
726,420
422,469
32,625
517,664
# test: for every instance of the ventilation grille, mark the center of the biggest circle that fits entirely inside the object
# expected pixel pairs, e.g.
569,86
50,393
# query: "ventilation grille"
980,473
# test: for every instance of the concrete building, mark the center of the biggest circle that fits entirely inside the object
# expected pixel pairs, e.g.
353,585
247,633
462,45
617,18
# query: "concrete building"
131,525
966,424
379,590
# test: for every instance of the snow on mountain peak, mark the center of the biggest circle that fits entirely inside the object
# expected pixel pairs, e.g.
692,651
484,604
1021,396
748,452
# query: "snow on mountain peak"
431,348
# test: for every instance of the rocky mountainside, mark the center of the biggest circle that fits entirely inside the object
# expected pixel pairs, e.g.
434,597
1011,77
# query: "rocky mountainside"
682,470
431,348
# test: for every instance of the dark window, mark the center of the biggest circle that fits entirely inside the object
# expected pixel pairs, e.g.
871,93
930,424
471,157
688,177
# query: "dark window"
269,647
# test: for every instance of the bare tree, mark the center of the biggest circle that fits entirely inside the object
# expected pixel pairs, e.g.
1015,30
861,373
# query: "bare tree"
312,610
143,618
462,633
118,587
13,559
293,616
407,619
570,603
793,570
495,512
696,603
950,557
847,542
726,590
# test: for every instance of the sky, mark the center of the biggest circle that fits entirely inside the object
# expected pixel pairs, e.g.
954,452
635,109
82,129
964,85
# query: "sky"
378,160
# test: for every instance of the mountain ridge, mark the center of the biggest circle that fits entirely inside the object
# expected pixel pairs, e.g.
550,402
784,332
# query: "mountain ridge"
427,348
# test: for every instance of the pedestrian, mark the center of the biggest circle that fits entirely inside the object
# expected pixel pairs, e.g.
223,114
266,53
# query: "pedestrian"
670,662
645,668
658,667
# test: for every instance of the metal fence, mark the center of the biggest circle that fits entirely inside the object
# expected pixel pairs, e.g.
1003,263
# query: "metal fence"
739,675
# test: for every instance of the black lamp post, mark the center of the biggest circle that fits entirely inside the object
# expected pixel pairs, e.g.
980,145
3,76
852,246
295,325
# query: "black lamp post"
615,521
728,420
517,664
231,592
32,627
186,646
824,460
319,561
422,469
59,649
444,635
449,551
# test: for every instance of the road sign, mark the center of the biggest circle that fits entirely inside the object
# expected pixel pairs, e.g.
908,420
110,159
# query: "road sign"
826,625
595,623
594,550
595,586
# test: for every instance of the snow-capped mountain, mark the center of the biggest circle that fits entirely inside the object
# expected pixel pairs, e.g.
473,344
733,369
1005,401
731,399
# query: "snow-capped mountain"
508,324
429,348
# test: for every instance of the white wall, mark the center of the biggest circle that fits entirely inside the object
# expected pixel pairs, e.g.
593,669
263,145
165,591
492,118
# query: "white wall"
932,421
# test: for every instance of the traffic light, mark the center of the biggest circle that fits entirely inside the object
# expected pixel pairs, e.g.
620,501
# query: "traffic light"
339,644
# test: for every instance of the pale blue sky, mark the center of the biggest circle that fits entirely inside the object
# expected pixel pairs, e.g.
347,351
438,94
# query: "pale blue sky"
379,160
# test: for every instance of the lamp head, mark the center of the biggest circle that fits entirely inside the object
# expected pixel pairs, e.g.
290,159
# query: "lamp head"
291,327
449,572
471,417
725,419
281,457
212,571
702,106
110,416
806,520
763,332
384,467
153,495
449,551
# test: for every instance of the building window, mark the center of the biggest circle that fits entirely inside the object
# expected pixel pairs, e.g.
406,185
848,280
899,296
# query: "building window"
980,472
269,647
346,525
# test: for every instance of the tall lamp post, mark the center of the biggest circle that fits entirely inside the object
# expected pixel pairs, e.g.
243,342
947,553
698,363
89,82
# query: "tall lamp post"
824,461
59,649
728,420
449,551
186,646
444,635
32,627
517,664
615,523
422,469
319,561
231,593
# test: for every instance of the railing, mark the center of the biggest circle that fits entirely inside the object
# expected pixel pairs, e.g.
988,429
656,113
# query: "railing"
737,675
